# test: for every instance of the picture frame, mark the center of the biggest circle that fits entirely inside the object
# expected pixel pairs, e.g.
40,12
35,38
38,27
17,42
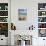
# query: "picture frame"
22,14
42,33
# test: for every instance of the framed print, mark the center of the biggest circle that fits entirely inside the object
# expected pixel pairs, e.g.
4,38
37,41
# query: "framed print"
22,14
13,27
42,32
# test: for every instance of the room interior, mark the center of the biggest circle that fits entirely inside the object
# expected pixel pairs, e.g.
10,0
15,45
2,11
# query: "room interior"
22,22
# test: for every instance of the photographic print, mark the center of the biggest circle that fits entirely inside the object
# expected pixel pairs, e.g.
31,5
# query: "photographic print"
4,29
41,6
41,25
3,19
22,14
41,19
42,32
13,27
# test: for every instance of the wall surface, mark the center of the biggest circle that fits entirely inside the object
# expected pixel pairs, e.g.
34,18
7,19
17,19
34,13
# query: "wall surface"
32,14
31,7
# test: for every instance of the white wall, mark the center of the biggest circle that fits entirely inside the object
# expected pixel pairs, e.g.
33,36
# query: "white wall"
31,7
32,14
